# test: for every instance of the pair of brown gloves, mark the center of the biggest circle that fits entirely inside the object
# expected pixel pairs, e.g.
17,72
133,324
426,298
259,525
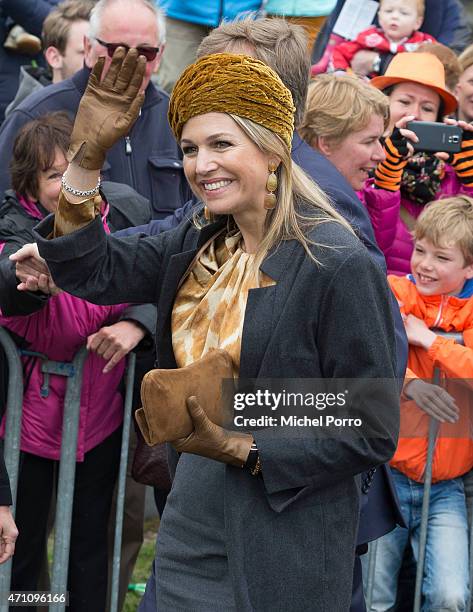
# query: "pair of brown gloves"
107,111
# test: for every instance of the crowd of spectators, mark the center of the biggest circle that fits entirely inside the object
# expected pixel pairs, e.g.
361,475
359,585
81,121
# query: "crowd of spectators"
355,95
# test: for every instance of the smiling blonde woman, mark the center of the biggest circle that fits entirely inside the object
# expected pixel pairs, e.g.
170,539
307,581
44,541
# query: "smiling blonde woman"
263,519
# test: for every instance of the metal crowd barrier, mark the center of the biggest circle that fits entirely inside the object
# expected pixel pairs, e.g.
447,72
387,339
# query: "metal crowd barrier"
67,465
12,435
433,433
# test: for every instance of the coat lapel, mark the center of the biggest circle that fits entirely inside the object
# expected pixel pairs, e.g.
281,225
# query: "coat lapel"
264,308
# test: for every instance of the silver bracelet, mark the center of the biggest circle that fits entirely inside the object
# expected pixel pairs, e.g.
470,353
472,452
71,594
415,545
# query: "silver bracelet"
88,193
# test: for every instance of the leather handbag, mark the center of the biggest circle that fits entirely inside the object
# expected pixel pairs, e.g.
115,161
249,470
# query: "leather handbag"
150,465
164,415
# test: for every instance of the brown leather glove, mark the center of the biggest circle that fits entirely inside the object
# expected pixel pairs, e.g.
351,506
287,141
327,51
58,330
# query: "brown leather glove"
71,217
108,109
210,440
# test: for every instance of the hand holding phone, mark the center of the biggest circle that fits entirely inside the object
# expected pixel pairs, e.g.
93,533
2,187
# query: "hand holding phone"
436,137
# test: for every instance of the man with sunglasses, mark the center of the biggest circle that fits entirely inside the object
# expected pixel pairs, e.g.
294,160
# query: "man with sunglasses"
148,159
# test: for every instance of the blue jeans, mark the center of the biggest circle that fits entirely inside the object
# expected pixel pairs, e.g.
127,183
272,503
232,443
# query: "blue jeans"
445,585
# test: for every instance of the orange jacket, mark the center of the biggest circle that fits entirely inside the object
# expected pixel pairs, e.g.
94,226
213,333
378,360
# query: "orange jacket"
453,454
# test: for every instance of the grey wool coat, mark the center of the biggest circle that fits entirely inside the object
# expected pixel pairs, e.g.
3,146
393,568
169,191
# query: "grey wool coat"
290,535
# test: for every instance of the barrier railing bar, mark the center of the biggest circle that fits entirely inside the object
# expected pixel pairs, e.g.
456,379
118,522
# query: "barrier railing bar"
67,465
67,469
433,431
468,603
117,543
12,436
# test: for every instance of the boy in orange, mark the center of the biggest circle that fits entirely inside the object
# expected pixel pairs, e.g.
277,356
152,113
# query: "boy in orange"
438,294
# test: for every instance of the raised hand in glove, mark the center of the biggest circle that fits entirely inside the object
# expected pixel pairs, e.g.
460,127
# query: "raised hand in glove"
210,440
108,108
398,149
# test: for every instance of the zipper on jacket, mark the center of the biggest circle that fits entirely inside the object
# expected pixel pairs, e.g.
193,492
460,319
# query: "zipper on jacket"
128,152
438,320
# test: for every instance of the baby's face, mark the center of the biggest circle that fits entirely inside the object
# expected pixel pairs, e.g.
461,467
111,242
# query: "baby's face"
399,18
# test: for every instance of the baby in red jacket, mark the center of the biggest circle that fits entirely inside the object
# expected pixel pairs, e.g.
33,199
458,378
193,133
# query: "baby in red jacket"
398,32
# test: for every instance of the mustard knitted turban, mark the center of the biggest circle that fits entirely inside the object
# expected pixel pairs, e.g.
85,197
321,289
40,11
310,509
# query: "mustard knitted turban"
236,84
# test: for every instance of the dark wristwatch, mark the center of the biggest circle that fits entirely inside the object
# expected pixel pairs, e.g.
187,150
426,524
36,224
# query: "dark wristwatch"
253,462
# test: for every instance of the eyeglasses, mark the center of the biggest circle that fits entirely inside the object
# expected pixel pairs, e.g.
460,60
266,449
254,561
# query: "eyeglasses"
149,52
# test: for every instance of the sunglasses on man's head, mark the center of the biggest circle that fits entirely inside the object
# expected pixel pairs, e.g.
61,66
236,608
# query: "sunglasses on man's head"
149,52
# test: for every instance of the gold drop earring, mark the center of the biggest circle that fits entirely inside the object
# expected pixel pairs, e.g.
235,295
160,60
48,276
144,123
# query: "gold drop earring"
208,215
271,186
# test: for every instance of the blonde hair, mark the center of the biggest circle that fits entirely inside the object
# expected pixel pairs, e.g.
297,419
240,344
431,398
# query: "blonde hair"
466,58
420,5
448,222
301,204
276,42
337,106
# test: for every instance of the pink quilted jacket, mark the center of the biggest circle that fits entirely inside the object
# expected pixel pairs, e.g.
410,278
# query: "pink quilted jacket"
392,236
58,330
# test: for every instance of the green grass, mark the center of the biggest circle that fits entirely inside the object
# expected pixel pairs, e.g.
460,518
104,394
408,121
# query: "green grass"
143,564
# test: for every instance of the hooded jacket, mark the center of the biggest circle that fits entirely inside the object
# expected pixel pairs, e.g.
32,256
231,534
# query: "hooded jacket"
57,327
453,454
